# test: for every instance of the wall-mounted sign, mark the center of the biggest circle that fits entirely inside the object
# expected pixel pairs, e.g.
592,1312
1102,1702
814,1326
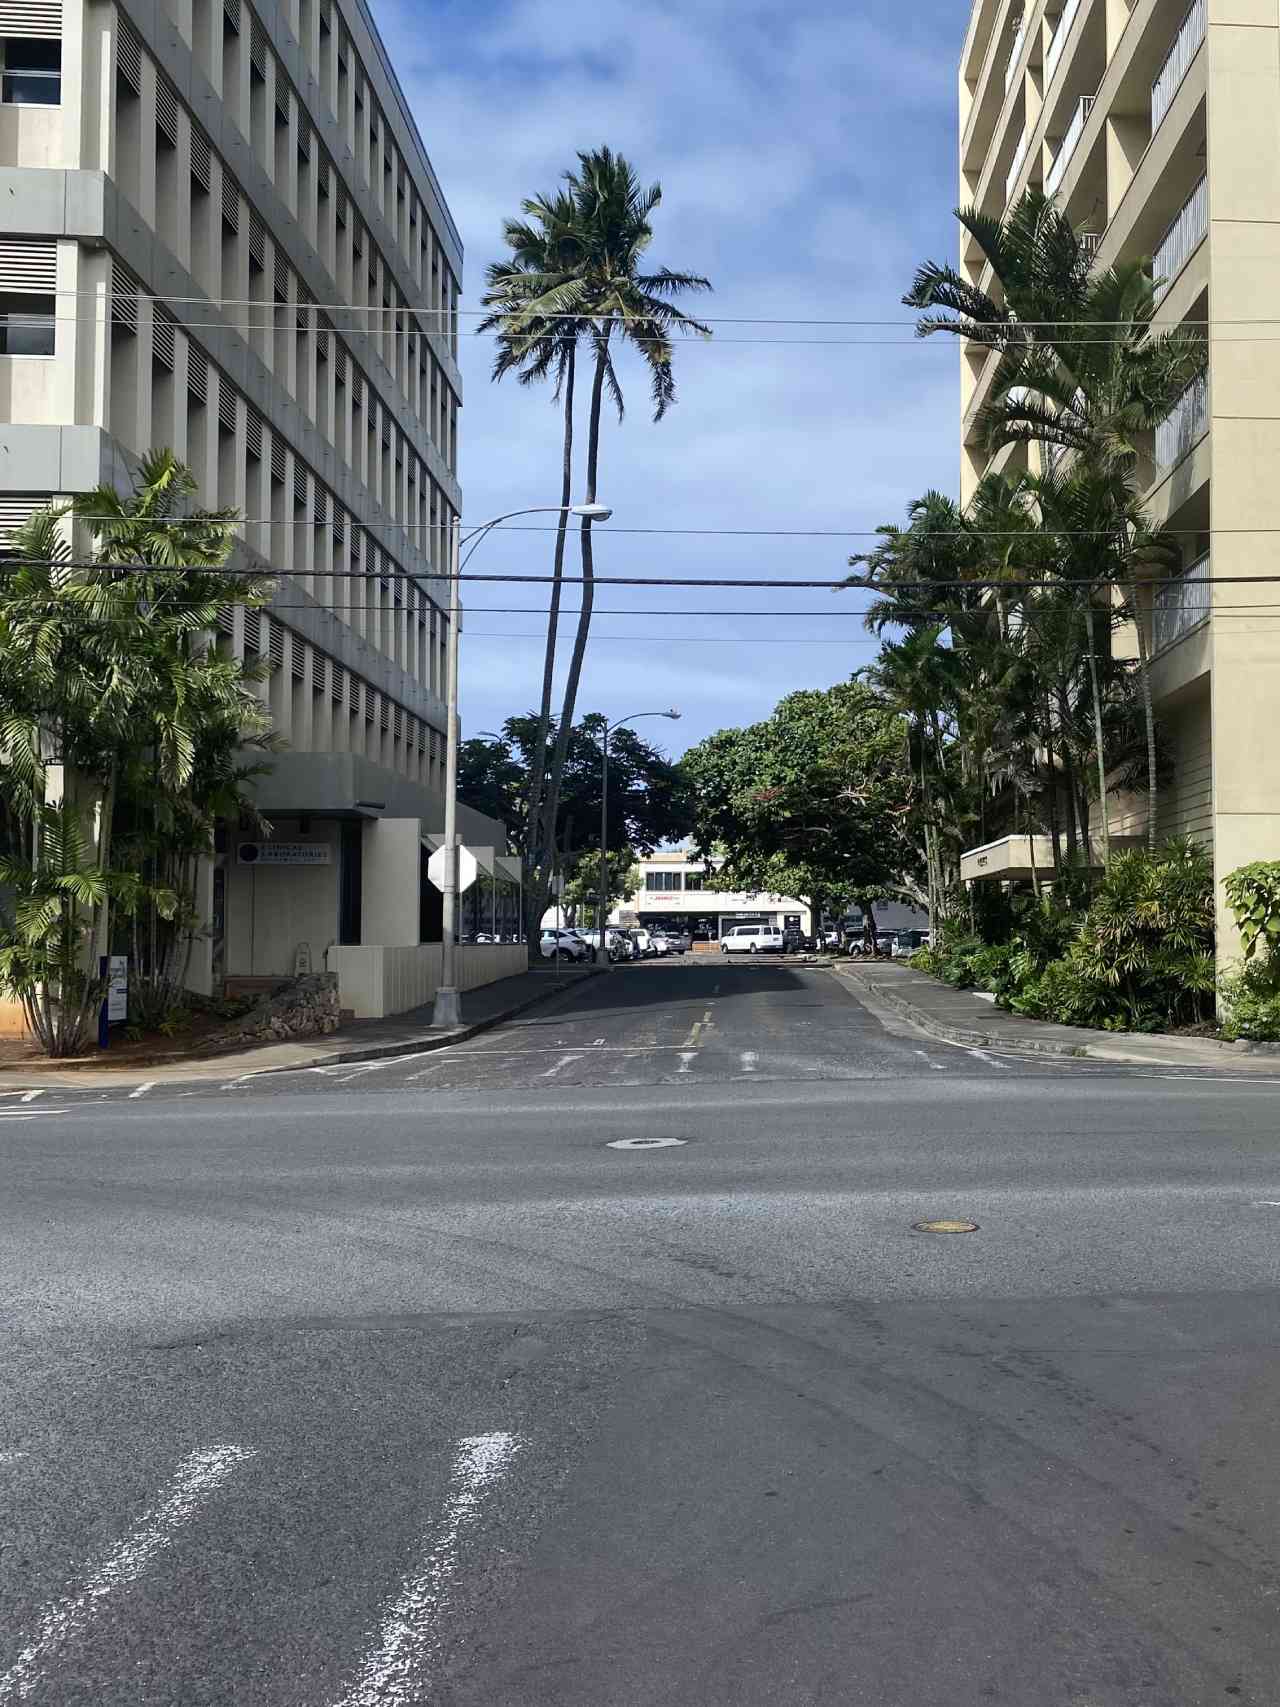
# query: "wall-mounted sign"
284,853
117,988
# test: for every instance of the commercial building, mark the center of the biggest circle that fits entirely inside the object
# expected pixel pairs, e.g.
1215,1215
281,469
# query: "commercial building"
673,892
220,232
1157,127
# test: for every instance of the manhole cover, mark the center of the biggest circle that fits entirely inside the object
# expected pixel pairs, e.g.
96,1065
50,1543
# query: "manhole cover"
643,1143
944,1226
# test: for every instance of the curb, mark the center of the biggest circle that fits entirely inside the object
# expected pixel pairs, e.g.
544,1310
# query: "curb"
959,1033
430,1041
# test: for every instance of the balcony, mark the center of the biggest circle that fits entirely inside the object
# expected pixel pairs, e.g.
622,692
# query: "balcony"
1180,241
1181,605
1053,53
1015,53
1062,159
1019,159
1187,421
1186,44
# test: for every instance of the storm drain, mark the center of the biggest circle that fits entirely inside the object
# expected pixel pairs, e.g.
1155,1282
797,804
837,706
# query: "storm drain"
944,1226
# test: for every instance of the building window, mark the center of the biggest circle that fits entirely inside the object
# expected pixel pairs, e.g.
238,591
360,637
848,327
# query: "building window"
32,75
664,880
26,325
693,880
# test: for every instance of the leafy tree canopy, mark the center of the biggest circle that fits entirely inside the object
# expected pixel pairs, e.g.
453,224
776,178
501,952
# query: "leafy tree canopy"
648,796
812,801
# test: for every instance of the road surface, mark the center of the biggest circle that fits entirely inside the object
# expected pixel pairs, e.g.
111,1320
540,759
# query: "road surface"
599,1361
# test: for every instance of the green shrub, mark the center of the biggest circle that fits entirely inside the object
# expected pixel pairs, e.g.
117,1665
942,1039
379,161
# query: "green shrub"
1253,894
1251,1003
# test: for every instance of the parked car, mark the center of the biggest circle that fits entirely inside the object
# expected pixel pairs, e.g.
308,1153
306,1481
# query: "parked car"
681,940
752,939
907,943
564,945
794,941
644,944
830,938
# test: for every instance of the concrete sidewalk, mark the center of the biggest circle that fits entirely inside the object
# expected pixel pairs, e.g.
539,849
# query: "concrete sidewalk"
358,1040
961,1016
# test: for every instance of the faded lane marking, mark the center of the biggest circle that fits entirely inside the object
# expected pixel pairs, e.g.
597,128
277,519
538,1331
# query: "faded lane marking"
990,1060
749,1059
409,1640
199,1475
562,1062
687,1060
30,1096
147,1085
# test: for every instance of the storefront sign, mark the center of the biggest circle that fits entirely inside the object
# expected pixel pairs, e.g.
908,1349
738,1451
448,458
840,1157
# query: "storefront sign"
284,853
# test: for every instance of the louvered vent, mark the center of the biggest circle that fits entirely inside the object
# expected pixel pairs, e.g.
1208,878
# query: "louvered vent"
226,620
230,201
16,513
338,685
201,164
397,726
299,483
226,404
284,101
304,141
275,644
340,209
162,337
368,703
197,373
297,658
253,432
231,15
129,55
319,673
277,458
31,18
320,505
252,632
258,49
166,111
124,298
28,265
257,240
384,713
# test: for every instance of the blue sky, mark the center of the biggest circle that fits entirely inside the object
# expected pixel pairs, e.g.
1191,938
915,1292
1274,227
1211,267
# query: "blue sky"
807,158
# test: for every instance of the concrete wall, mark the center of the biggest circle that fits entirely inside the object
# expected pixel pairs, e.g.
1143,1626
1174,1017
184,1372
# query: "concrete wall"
374,982
272,909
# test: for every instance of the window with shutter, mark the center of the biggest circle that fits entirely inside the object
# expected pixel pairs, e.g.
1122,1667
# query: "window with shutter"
230,201
124,299
163,328
226,404
277,459
231,16
253,432
166,113
252,633
197,373
275,643
201,162
129,54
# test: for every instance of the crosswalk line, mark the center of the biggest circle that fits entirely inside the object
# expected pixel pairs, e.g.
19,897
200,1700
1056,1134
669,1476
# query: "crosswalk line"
393,1673
198,1476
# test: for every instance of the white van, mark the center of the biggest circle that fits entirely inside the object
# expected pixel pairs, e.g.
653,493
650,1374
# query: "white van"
752,939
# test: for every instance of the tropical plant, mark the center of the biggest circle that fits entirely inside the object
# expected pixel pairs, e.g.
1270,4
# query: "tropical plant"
578,272
107,668
1253,894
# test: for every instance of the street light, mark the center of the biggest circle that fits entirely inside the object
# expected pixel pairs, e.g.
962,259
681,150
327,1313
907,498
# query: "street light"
602,905
447,1010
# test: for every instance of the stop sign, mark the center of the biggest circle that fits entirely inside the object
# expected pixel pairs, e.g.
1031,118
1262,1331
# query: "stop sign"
467,868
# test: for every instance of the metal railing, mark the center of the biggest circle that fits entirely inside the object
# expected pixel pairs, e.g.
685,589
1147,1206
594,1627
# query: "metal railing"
1187,421
1180,605
1189,229
1186,44
1015,52
1062,159
1053,53
1019,156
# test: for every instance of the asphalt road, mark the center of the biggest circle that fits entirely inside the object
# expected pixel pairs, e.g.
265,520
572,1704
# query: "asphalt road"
405,1384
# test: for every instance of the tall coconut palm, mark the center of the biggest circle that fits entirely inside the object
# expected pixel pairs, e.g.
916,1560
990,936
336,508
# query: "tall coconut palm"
534,299
587,275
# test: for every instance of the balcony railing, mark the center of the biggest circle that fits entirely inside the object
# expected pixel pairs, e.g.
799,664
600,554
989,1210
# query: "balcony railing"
1179,605
1188,230
1062,159
1187,421
1015,52
1053,53
1186,44
1019,156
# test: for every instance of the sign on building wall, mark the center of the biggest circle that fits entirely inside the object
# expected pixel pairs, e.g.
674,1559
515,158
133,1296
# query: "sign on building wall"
284,853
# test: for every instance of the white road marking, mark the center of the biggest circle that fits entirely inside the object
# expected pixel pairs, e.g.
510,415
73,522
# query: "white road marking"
749,1059
687,1059
643,1143
148,1085
562,1062
409,1640
442,1060
990,1060
599,1043
937,1066
923,1054
198,1476
30,1096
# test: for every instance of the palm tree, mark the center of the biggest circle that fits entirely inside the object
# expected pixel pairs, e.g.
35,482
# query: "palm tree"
1081,370
586,275
534,300
106,664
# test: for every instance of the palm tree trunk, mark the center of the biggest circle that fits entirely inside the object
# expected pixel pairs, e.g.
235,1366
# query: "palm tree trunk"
1148,711
537,866
1104,814
588,588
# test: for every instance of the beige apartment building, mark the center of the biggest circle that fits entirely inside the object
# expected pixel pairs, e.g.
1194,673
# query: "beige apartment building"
1157,127
220,231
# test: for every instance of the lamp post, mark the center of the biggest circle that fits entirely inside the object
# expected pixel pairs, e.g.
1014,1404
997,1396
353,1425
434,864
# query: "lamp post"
602,902
447,1010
